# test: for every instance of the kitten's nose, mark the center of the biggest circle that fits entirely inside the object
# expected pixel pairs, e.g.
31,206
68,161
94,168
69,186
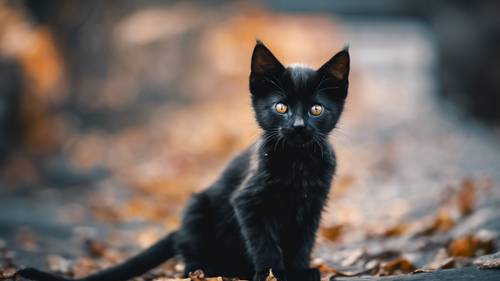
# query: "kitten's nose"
298,123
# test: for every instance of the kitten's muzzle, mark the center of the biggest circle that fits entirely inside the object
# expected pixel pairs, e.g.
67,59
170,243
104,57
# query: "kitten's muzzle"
297,135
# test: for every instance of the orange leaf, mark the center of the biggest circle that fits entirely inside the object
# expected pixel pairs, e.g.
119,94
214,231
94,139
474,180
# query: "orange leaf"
398,265
332,232
466,197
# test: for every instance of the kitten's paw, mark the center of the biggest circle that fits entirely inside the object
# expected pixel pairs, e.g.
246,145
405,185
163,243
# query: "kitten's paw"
311,274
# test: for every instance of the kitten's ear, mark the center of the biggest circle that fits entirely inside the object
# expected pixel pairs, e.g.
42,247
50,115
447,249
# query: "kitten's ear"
264,62
338,66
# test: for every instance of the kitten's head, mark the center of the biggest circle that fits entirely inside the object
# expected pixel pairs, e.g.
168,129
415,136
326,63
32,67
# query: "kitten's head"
297,104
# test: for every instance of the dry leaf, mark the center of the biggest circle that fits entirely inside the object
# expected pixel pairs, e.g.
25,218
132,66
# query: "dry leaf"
488,262
469,246
95,248
441,223
83,267
466,197
189,279
333,232
6,273
343,184
445,264
396,230
353,257
324,268
27,240
423,270
99,249
197,275
171,279
58,264
271,277
441,261
398,265
370,268
463,247
384,254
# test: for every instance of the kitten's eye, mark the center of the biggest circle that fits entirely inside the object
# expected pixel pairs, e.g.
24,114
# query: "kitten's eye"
316,110
281,108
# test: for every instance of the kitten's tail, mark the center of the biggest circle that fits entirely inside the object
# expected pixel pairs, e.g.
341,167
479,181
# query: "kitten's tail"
135,266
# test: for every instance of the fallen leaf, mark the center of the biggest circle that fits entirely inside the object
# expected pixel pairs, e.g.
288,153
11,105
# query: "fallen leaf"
470,246
324,268
441,223
384,254
372,265
83,267
342,185
396,266
197,275
95,248
488,262
353,257
271,277
463,247
58,264
6,273
171,279
396,230
466,197
333,232
369,268
445,264
441,261
423,270
27,240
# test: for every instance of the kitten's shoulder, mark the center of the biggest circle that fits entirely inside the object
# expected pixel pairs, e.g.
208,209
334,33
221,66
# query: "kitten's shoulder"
238,168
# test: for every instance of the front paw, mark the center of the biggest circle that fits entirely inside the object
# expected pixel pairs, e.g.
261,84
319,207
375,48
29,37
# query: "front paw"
270,275
310,274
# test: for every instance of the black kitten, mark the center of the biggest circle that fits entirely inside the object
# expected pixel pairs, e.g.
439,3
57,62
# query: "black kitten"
263,212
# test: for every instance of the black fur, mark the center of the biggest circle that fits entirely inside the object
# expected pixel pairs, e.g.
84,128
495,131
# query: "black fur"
264,211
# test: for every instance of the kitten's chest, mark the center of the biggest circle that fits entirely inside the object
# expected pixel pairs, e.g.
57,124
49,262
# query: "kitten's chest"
296,186
299,172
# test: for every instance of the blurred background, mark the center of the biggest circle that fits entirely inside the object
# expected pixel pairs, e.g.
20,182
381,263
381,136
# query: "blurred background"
113,113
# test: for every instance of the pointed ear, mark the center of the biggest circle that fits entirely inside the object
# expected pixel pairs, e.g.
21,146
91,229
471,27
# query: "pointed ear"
338,66
264,62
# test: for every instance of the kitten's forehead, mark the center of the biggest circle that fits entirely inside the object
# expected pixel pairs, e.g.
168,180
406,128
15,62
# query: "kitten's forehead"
300,74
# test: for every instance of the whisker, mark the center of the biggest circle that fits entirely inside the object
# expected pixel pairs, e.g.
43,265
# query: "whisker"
283,143
328,88
320,83
324,79
320,146
274,83
276,143
340,134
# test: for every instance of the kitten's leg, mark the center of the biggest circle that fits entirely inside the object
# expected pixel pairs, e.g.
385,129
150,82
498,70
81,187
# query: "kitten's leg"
194,240
299,261
298,269
309,274
298,251
260,233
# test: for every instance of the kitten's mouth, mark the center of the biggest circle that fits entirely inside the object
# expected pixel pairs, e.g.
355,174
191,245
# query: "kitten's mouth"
298,140
301,144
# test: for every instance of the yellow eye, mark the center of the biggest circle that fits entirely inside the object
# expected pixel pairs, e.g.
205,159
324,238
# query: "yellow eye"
281,108
316,109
